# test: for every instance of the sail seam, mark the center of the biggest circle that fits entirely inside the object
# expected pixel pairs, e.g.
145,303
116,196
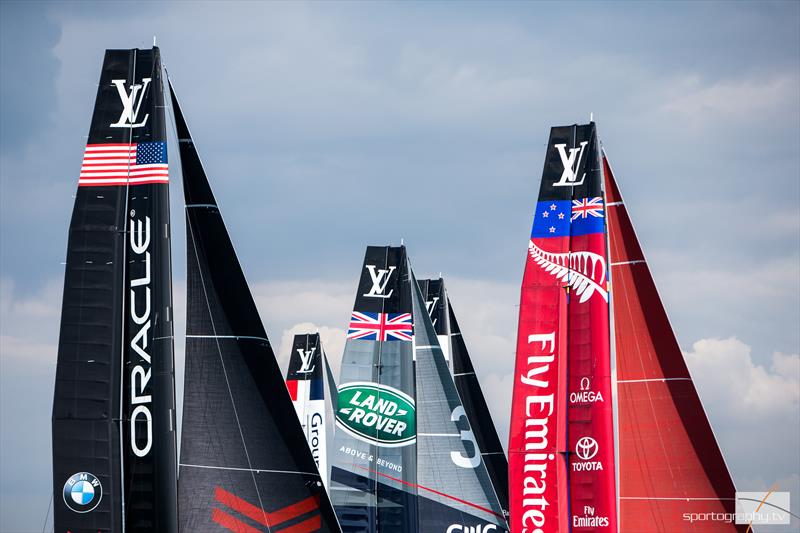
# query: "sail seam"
687,498
242,337
633,262
612,204
455,374
225,373
201,205
251,469
653,379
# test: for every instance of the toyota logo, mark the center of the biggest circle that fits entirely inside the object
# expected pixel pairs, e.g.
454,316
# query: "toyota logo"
586,448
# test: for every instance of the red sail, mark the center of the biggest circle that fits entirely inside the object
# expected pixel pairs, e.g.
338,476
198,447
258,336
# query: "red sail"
669,462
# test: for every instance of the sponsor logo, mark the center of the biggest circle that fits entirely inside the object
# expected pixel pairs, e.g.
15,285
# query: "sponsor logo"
572,163
131,103
586,394
586,448
314,427
380,279
465,461
306,358
431,307
377,414
82,492
589,519
141,416
539,405
458,528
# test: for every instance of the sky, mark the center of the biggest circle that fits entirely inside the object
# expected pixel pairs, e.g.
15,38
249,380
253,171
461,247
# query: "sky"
326,127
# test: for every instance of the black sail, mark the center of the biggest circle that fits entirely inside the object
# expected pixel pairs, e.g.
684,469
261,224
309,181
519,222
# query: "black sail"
469,387
245,464
114,453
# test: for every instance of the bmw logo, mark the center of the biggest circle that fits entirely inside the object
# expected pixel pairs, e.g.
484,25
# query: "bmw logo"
82,492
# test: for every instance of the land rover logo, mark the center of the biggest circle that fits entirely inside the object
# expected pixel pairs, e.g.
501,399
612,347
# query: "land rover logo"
377,414
82,492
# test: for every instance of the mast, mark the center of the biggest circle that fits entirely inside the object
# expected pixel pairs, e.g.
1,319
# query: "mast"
245,464
468,386
590,431
304,379
114,453
374,464
455,492
669,460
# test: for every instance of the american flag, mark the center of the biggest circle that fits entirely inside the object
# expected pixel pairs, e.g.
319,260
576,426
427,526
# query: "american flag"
123,164
587,207
380,326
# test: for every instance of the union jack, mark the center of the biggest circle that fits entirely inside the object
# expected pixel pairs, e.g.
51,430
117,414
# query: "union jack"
586,207
380,326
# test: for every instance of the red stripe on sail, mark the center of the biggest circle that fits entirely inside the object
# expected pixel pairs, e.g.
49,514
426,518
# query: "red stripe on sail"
669,460
242,506
293,511
306,526
230,523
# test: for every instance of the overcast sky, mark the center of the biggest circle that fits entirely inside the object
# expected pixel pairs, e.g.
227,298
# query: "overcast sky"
326,127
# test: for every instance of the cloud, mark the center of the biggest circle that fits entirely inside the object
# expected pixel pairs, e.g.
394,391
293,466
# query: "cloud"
725,372
754,409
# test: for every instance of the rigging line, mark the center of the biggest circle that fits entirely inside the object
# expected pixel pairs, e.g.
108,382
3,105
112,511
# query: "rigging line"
47,514
225,373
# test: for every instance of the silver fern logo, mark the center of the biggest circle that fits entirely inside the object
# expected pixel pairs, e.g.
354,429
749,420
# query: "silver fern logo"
584,272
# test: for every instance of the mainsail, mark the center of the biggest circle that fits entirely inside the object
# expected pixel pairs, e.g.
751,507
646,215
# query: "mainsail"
469,390
245,465
561,459
669,461
455,492
305,381
114,453
374,471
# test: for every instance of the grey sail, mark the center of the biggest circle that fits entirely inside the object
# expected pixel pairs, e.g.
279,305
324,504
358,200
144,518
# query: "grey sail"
450,337
455,492
245,465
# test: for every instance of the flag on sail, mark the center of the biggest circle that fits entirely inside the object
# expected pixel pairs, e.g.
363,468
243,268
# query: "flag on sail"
123,164
382,327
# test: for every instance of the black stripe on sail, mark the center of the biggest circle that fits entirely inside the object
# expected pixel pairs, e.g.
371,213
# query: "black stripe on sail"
244,458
